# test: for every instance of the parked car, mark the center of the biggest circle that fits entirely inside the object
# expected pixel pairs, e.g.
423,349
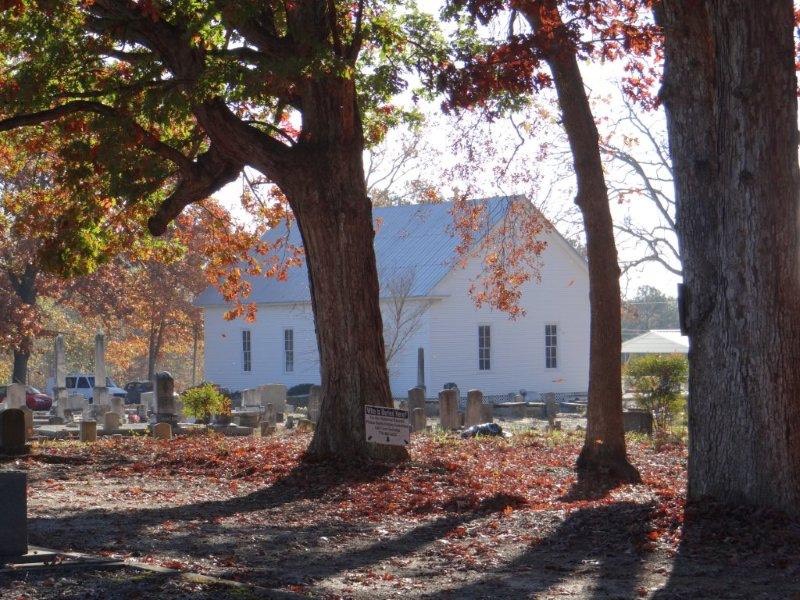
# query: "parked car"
34,399
134,390
82,384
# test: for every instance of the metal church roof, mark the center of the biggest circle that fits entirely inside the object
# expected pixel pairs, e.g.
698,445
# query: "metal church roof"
417,239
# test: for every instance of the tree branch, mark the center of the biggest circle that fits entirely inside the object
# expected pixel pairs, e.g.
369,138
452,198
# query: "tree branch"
150,141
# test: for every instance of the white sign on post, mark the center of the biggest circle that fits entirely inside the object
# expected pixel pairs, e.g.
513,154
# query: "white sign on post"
387,425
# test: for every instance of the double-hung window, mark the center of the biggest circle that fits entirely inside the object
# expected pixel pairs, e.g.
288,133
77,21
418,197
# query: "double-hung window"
484,347
247,351
551,346
288,350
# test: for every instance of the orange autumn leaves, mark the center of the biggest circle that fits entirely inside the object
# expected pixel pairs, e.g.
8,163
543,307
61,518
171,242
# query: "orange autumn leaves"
509,251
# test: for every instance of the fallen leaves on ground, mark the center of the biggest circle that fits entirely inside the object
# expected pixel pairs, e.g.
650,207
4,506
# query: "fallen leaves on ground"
461,512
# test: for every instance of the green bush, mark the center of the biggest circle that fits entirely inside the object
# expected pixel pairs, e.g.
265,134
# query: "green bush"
658,381
205,400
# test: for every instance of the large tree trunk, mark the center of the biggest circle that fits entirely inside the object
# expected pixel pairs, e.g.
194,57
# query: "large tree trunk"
334,214
730,95
604,451
19,374
25,288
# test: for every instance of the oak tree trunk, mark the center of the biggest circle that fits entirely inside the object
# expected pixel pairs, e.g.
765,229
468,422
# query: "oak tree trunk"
604,451
334,215
19,374
730,95
25,288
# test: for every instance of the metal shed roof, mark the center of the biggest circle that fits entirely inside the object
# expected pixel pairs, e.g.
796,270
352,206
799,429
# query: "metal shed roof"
657,341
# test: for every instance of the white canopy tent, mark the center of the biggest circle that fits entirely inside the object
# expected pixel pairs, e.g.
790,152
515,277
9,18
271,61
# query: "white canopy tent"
657,341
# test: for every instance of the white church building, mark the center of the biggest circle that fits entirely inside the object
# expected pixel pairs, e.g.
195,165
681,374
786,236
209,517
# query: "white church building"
546,350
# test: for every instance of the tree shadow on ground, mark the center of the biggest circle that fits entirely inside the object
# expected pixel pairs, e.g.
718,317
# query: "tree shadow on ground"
590,486
196,530
605,546
735,553
307,481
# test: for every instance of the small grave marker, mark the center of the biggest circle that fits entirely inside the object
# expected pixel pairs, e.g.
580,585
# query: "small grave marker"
88,431
14,516
162,431
12,431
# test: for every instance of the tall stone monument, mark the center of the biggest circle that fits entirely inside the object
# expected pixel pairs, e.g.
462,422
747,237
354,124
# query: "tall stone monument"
421,369
100,395
60,376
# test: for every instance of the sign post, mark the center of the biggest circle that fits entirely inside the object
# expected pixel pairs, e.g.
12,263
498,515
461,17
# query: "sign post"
388,426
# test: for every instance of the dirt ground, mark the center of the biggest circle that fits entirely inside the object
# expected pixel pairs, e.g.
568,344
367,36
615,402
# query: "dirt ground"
485,518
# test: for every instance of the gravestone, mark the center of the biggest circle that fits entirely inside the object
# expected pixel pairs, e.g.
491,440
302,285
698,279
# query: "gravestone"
448,410
14,516
248,419
418,420
166,406
162,431
551,407
88,431
487,413
110,421
100,398
266,429
416,398
28,415
117,405
148,401
60,377
474,403
638,420
270,414
420,370
251,398
275,394
100,395
16,396
12,432
289,422
314,403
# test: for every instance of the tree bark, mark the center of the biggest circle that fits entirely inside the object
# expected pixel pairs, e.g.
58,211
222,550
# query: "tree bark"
730,94
604,452
25,287
329,198
19,374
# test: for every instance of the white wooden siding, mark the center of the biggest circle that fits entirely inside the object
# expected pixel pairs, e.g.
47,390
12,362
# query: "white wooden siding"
448,333
517,346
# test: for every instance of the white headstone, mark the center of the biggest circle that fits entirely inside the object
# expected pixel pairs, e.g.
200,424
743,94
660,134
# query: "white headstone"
16,396
110,421
148,399
275,394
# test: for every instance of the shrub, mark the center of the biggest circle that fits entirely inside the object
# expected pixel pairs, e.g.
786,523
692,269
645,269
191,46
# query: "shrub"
205,400
658,380
301,389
